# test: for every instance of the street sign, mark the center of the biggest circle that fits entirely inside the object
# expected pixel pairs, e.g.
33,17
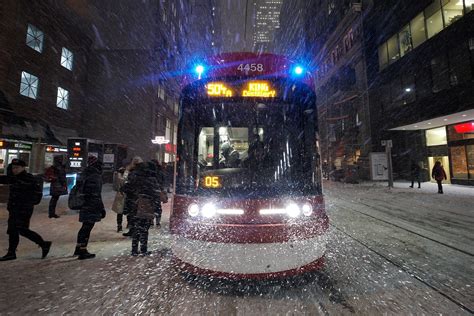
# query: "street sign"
387,143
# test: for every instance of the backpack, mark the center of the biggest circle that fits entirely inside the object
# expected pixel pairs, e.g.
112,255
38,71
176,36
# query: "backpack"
37,190
76,196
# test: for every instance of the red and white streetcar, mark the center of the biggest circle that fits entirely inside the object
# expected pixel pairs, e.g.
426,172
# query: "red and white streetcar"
248,200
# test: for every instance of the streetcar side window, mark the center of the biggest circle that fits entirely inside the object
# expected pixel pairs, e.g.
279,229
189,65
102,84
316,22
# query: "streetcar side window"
206,147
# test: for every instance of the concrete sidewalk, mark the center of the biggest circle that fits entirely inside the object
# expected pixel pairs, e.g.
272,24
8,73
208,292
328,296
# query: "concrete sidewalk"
104,241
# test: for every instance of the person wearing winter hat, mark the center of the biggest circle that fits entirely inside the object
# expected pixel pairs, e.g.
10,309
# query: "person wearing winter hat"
93,209
20,209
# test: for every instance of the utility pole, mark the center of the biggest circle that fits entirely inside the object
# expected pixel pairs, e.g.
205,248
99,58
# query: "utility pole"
388,150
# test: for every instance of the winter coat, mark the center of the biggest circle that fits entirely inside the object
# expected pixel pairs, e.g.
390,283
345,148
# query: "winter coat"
438,173
22,188
415,169
93,209
142,181
56,174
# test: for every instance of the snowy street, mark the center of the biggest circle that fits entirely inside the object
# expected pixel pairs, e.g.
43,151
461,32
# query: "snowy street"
395,251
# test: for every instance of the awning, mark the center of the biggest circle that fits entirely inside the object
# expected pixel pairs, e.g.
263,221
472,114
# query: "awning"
62,134
438,121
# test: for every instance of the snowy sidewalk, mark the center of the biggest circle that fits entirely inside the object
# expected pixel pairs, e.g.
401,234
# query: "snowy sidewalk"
105,240
426,187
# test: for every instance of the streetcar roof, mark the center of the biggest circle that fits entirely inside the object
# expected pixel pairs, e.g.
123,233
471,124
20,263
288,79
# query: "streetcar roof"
247,65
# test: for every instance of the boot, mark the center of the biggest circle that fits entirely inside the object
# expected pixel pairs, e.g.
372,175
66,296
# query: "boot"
84,254
77,251
9,256
45,249
128,234
119,228
54,216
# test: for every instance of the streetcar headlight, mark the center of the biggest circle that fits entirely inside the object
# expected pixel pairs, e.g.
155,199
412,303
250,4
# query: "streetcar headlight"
307,209
193,210
209,210
293,210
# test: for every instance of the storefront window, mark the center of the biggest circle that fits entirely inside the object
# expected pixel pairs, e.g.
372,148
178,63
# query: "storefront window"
459,162
434,19
418,32
404,38
436,136
383,56
470,160
452,10
393,50
460,131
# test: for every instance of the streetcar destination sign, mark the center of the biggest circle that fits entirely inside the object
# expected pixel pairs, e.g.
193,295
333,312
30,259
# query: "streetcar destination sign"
252,89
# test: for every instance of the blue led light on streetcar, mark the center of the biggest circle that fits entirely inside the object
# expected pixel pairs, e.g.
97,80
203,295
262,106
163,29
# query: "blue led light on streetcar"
199,69
298,70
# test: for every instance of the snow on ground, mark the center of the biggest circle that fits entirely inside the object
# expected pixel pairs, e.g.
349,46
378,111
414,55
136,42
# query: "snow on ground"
396,251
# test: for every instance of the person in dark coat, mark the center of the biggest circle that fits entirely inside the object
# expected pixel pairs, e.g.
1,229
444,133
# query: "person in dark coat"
415,174
143,185
56,175
129,208
160,178
20,208
439,175
93,209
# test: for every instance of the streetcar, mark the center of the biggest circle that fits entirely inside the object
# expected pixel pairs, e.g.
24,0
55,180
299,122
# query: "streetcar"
248,202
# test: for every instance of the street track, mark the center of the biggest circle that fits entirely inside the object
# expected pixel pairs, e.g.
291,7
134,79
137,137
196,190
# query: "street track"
400,266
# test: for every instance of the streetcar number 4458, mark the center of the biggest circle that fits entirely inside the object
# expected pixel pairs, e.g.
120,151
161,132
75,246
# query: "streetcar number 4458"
250,67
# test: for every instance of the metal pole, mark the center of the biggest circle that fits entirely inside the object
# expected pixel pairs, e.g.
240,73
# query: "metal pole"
388,150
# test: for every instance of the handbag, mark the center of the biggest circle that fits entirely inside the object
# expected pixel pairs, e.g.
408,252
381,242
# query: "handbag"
145,207
163,197
118,204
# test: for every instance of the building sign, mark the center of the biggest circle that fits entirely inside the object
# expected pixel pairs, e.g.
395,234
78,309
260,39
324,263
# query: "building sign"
76,152
170,148
109,158
464,128
14,145
160,140
55,149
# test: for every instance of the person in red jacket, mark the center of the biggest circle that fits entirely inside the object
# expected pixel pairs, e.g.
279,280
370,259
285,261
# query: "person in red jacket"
439,175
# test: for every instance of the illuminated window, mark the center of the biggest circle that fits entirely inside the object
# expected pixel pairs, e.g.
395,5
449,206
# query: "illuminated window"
469,5
168,130
436,136
383,56
404,39
29,85
418,31
393,50
66,58
434,18
34,38
62,100
452,10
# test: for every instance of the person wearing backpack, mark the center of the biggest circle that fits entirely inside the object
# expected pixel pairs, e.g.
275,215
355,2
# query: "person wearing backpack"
143,185
24,195
92,209
56,175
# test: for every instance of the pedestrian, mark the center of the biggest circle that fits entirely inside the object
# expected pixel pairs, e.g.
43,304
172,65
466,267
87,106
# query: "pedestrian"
92,211
129,203
56,175
20,209
160,178
439,175
415,174
142,184
119,199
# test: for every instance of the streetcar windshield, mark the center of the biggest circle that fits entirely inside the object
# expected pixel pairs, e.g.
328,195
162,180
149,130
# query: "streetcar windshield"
250,148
